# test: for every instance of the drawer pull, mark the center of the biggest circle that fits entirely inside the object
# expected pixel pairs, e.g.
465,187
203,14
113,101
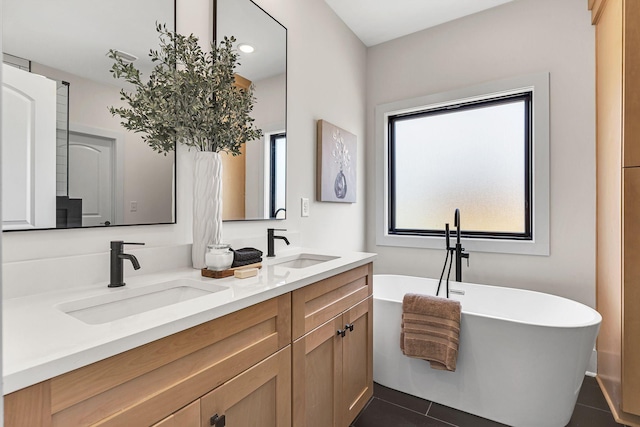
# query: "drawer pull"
341,332
218,421
349,326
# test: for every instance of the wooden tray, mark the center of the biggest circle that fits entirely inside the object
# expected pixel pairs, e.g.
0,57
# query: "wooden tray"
228,272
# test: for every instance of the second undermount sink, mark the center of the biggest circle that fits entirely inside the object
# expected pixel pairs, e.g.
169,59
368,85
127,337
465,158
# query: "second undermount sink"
127,302
302,260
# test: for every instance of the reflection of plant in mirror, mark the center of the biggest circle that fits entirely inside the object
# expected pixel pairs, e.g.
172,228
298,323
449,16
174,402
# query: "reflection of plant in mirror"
190,97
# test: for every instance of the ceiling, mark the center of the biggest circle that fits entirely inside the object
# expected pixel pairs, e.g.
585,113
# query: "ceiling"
378,21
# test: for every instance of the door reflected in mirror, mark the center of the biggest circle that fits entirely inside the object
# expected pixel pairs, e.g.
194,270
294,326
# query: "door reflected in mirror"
67,162
255,182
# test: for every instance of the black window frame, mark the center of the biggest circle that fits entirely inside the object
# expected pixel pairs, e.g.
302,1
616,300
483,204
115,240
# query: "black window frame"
527,97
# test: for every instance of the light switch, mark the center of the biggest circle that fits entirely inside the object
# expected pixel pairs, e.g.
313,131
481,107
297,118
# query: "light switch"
304,206
133,206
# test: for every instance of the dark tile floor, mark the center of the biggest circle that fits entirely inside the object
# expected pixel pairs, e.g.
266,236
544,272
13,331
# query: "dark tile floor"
390,408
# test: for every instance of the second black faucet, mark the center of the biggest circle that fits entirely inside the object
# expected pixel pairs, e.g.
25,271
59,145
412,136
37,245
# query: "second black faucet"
271,237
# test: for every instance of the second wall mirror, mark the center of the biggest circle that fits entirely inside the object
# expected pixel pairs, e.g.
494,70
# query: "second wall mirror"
255,182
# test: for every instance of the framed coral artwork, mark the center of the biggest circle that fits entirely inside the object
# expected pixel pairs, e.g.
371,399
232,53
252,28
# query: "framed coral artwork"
336,168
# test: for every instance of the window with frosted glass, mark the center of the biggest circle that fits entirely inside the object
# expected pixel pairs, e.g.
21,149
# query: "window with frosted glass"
474,156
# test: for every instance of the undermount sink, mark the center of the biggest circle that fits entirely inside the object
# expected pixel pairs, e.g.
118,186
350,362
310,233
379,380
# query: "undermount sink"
302,260
130,301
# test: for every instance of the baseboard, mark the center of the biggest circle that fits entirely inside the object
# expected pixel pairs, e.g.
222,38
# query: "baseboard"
611,394
592,367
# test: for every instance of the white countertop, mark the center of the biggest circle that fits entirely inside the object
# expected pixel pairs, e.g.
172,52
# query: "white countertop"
40,341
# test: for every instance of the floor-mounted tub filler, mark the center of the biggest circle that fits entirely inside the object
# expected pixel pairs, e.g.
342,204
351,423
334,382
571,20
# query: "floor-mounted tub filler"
522,354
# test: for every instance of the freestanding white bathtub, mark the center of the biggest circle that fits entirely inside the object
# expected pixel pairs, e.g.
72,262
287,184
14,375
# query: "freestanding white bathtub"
522,354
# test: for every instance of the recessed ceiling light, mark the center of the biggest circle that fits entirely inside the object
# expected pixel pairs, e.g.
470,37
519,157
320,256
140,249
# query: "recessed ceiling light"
246,48
126,57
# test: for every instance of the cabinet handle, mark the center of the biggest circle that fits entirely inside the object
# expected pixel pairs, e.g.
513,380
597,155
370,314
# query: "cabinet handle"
218,421
349,326
341,332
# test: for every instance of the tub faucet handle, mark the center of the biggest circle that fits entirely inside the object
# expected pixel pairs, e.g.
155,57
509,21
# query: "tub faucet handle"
465,255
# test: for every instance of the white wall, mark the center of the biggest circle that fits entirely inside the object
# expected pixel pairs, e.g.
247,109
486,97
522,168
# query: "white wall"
326,69
325,79
522,37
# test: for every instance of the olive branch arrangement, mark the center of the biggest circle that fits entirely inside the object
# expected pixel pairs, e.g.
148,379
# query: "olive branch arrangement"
189,97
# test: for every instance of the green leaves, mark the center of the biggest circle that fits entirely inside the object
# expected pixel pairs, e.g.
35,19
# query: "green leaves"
189,98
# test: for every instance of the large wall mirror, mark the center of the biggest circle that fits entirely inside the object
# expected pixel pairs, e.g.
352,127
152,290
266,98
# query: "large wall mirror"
255,182
66,161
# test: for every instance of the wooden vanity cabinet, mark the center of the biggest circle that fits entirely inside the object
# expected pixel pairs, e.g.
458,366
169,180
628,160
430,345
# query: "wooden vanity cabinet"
333,358
302,359
148,384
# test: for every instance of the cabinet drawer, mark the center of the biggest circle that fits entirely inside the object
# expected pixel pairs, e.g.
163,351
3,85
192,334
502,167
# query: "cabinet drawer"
316,304
146,384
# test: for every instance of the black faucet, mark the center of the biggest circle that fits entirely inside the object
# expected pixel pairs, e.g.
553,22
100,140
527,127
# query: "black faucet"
459,250
271,237
117,268
456,250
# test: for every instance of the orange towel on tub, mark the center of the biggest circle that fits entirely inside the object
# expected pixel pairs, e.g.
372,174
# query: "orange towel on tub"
430,330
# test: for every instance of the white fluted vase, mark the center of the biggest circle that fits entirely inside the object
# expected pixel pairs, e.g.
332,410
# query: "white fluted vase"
207,204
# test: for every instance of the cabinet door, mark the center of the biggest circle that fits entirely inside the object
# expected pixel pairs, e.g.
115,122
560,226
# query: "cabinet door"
259,397
631,292
317,371
631,86
357,355
189,416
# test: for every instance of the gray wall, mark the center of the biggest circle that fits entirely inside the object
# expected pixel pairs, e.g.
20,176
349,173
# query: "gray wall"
522,37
